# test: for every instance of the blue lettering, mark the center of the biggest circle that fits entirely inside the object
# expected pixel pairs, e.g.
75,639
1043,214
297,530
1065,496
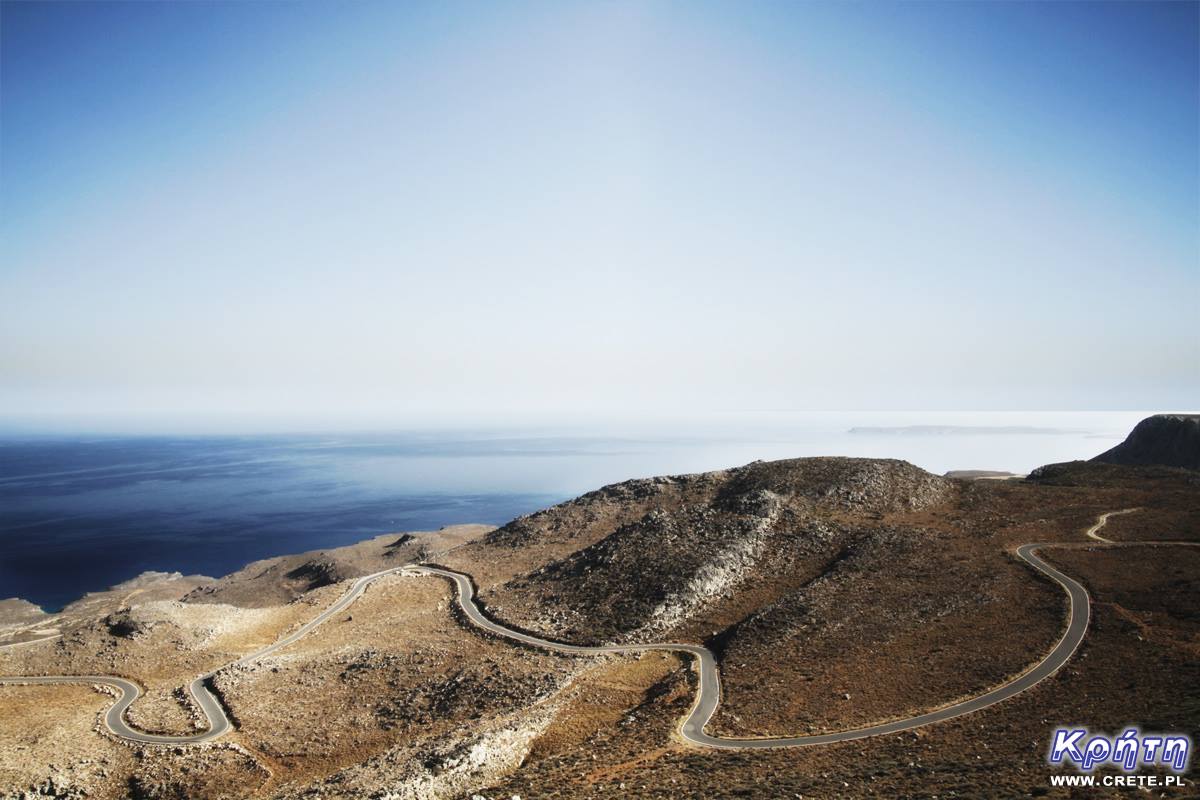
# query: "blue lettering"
1065,743
1097,749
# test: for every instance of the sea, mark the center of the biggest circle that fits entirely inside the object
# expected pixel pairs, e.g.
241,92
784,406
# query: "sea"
81,513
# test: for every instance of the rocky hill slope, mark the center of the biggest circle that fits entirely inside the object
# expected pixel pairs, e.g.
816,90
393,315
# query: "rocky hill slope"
1171,440
648,556
281,579
834,592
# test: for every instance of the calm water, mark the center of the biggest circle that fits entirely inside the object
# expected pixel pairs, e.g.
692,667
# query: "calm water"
80,514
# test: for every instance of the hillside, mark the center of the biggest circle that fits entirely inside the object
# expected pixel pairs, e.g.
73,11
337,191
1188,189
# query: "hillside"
834,593
1171,440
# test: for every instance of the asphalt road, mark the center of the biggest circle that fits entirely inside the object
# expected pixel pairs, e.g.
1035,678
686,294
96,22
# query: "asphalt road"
709,692
210,705
708,695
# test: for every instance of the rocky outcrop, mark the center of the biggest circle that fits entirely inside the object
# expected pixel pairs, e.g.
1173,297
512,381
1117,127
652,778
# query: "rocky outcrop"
850,484
317,573
731,564
1171,440
129,625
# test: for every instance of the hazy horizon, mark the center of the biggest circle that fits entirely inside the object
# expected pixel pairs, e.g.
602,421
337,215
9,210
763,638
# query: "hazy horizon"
745,426
268,216
85,511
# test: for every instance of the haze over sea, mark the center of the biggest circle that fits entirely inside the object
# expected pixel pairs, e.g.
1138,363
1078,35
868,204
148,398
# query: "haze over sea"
81,513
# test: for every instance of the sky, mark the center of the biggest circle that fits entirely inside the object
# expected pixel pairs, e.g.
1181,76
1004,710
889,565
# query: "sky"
283,214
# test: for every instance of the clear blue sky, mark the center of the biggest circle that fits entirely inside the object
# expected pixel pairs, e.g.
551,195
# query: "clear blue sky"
402,212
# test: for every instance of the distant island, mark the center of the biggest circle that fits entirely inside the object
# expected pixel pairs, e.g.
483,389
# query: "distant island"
981,474
960,430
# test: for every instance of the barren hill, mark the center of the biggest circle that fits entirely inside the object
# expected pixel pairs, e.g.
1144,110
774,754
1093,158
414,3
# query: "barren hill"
653,554
1171,440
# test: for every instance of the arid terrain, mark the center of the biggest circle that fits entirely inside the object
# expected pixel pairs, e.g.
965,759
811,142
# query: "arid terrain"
834,593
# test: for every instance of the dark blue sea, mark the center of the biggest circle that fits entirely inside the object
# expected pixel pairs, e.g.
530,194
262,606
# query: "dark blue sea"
81,513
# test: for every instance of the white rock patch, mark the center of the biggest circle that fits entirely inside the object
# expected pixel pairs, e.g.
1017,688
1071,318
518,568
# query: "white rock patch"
720,574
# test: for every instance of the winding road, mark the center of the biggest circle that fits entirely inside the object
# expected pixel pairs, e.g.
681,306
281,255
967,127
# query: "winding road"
708,694
1102,520
200,689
